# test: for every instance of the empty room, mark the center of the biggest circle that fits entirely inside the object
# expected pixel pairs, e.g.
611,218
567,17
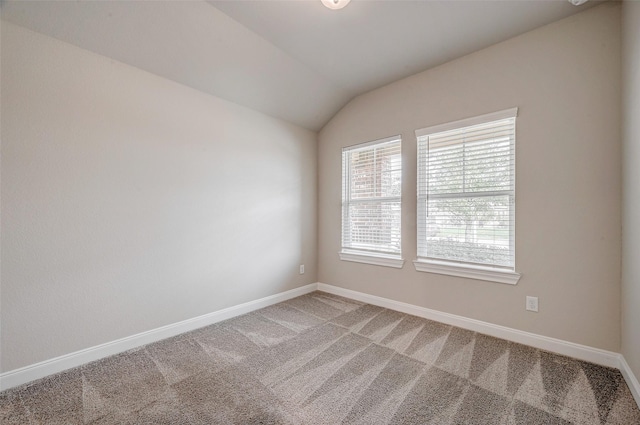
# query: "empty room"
320,212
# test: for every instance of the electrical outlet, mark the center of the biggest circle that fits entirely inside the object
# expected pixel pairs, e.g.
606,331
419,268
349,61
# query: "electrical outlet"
532,304
301,268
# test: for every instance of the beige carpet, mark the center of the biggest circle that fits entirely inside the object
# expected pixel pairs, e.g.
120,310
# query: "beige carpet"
322,359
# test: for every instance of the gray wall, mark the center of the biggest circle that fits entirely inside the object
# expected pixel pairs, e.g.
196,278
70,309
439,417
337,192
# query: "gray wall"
631,185
130,202
565,78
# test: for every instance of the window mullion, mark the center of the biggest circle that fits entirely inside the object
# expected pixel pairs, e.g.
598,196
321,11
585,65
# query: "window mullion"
453,195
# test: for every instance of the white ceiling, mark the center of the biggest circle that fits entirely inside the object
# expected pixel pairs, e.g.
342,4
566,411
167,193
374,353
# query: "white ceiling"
295,60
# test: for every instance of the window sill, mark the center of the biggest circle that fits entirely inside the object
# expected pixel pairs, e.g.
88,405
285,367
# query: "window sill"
472,272
394,261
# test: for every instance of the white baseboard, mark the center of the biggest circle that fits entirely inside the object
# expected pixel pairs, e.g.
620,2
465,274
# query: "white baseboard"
30,373
582,352
631,379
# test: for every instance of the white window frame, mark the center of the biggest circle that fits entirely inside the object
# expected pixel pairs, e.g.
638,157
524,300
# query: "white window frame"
361,255
506,275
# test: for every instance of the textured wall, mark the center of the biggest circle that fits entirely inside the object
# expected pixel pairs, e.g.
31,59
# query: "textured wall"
130,202
631,186
565,78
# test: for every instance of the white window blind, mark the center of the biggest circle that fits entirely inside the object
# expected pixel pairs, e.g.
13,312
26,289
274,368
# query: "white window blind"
371,197
466,191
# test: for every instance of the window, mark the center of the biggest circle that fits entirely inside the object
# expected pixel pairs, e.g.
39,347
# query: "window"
466,198
371,202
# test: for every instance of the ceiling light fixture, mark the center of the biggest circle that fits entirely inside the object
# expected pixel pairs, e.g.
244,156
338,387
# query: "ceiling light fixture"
577,2
335,4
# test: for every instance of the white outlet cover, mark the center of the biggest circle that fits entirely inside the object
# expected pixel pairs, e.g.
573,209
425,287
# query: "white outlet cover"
301,268
532,303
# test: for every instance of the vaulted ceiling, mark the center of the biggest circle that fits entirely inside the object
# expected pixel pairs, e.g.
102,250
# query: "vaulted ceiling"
295,60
